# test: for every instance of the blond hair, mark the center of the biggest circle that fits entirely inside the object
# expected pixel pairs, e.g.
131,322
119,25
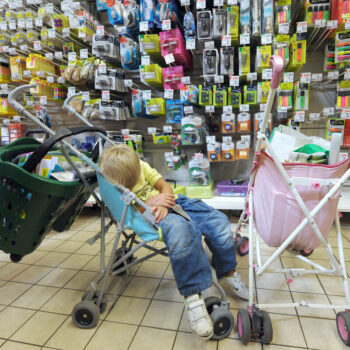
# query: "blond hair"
120,164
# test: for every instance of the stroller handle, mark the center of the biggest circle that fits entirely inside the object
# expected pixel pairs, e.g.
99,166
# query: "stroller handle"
277,70
70,98
13,95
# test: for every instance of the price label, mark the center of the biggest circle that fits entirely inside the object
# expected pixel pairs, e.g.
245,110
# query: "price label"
143,26
198,157
301,27
166,24
105,94
49,8
16,76
121,30
40,73
282,109
168,129
190,44
347,24
151,131
210,139
30,103
145,60
226,40
219,79
232,2
100,30
29,23
4,87
51,33
84,53
320,23
85,96
317,77
128,83
267,74
169,94
71,90
186,80
328,111
201,4
59,55
102,68
125,132
169,58
252,76
288,77
3,26
147,94
209,109
244,39
12,51
50,79
266,39
209,45
299,116
314,116
345,114
188,109
305,78
39,22
37,45
227,109
21,23
185,2
27,73
227,139
60,80
347,74
244,108
333,75
332,24
72,56
65,32
234,80
262,107
219,3
23,47
4,49
12,25
43,100
283,28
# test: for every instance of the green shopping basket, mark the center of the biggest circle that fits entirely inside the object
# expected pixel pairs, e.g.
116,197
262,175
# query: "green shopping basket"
31,205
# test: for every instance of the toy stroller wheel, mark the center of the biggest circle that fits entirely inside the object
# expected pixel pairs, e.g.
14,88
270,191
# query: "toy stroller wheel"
211,303
266,331
343,326
244,326
237,237
223,322
242,246
86,314
306,252
16,258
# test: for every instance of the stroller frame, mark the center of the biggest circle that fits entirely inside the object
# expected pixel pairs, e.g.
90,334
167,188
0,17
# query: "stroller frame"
254,322
94,301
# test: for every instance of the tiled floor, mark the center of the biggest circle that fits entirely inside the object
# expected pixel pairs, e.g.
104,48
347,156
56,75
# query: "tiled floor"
37,296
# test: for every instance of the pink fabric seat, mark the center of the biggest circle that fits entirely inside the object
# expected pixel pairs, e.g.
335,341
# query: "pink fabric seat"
276,212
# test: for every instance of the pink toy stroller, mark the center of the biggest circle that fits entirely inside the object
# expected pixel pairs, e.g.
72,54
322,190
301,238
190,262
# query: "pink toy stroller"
291,206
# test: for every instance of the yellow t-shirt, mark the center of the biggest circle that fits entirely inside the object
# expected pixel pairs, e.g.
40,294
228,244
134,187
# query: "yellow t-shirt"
144,188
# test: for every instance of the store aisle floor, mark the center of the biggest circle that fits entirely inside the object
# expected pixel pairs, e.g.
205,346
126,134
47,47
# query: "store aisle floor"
38,294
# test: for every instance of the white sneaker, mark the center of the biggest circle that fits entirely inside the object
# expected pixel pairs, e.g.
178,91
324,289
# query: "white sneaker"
235,286
198,317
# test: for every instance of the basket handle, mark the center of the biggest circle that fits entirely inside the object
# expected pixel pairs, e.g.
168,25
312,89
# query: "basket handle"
42,150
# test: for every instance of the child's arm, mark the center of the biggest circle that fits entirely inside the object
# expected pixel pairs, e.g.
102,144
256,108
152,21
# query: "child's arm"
165,198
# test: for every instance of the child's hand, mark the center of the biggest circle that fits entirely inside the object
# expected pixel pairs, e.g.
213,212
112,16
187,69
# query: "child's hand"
159,212
166,200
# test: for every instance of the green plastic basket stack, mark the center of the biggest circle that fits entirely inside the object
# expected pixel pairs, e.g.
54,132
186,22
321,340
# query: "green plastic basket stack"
30,205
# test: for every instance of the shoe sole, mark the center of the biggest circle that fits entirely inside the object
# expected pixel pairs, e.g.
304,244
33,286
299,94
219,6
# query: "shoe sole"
204,338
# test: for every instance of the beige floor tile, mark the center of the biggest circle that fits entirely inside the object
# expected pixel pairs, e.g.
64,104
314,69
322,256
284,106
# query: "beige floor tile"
346,254
32,274
75,261
93,227
128,310
35,297
142,287
93,264
184,325
334,242
2,264
69,337
49,244
337,300
52,259
168,291
150,339
189,341
266,296
333,285
4,257
63,301
294,263
112,336
313,299
57,277
79,225
322,334
11,291
280,347
64,235
275,281
320,253
2,341
12,345
287,331
69,247
169,273
32,258
39,328
154,269
163,314
229,344
306,284
11,270
82,236
88,249
11,319
81,280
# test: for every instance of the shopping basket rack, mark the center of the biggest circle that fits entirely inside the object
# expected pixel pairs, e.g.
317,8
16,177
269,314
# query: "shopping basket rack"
291,206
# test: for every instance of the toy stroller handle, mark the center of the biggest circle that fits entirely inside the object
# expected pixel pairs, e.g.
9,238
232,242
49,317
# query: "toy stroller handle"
277,70
45,147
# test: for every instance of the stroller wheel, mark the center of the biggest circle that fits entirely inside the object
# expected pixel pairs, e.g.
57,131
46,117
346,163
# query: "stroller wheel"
242,246
263,327
306,252
223,322
244,326
343,326
16,258
212,303
237,237
94,298
86,314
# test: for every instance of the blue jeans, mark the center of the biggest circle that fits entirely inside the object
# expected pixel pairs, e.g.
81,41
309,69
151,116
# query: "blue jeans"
184,241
